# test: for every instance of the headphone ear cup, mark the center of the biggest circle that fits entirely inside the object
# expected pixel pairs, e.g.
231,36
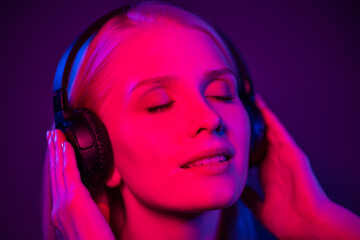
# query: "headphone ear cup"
258,143
90,140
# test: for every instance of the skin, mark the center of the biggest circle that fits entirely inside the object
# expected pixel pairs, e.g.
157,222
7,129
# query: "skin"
149,149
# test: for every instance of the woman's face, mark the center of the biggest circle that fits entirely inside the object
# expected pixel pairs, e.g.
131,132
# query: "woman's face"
179,132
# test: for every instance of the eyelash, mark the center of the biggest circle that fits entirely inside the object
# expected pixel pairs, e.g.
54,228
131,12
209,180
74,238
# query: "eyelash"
222,98
160,108
166,106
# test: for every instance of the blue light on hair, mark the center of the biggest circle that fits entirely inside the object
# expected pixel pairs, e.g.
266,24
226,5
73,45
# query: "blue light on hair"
78,60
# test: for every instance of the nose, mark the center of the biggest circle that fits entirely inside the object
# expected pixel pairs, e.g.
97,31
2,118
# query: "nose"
204,120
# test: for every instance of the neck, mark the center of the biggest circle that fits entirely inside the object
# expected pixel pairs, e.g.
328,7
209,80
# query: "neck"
142,222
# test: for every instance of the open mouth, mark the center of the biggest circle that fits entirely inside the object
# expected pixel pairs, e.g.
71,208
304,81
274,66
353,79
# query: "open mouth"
207,161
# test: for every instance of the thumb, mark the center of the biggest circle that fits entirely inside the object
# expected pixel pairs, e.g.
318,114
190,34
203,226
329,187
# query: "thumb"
260,103
253,201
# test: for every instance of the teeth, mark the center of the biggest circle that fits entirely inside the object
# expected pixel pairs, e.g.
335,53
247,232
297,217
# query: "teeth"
215,159
197,163
206,161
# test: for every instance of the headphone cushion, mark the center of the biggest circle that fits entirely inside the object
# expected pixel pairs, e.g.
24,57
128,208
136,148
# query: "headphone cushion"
95,158
258,142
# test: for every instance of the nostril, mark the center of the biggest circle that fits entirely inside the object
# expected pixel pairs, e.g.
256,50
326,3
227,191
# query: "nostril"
212,126
219,127
204,119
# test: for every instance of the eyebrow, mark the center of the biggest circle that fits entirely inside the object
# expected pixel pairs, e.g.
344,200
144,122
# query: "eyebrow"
154,81
161,80
212,74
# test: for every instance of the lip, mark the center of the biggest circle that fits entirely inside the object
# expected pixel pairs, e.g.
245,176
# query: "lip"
208,153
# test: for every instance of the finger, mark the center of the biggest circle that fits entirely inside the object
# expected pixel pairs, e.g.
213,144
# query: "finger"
58,235
59,179
276,131
260,103
60,136
51,158
71,173
252,200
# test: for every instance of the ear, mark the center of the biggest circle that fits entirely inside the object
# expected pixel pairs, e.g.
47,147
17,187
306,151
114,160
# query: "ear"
114,179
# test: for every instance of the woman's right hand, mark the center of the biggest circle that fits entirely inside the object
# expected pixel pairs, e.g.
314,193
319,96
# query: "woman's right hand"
74,213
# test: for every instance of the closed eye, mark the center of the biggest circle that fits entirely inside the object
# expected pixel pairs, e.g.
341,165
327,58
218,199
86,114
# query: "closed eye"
163,107
160,108
222,98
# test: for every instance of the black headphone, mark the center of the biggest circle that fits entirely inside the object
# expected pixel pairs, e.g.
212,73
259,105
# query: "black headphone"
87,134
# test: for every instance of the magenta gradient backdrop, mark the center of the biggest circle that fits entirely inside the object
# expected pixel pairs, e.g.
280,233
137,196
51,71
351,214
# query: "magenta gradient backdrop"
304,57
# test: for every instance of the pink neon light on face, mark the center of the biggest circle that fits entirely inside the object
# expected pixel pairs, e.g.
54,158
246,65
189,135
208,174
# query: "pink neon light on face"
173,103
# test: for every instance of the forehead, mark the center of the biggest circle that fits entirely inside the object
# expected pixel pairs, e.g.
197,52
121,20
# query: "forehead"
166,50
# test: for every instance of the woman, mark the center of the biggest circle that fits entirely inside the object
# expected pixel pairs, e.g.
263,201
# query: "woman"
165,86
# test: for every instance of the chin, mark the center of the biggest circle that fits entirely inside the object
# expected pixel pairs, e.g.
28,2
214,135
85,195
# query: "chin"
211,192
212,198
209,205
223,198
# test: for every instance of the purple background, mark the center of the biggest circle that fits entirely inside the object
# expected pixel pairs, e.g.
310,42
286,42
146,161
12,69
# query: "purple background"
303,55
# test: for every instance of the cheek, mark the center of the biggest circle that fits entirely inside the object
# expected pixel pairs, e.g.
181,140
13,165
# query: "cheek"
238,130
142,150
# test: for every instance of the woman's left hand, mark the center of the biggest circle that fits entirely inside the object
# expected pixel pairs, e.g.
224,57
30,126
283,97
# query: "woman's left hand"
294,205
74,213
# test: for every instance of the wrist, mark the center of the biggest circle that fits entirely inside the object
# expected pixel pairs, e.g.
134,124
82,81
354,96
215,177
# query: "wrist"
331,221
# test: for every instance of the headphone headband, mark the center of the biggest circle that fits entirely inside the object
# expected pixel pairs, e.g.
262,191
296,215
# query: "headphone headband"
61,81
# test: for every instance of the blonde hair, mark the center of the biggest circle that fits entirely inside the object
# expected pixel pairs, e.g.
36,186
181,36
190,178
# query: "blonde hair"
92,81
91,75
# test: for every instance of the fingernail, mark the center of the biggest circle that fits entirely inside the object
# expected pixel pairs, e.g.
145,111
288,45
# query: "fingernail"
63,146
49,136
